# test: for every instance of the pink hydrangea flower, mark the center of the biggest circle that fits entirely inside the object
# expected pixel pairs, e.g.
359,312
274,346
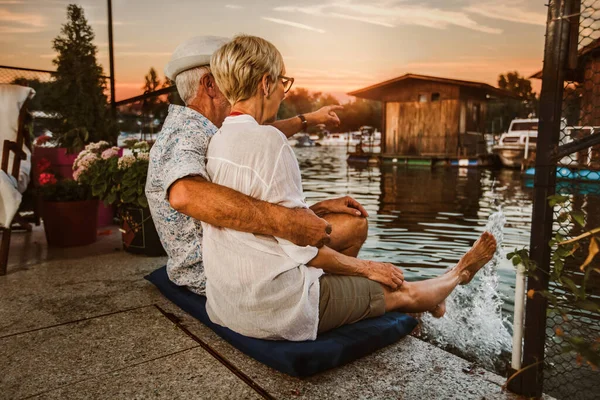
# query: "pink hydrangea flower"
110,153
126,161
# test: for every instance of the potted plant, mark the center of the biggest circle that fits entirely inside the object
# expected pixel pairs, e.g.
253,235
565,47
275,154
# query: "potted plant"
61,151
92,167
122,182
69,211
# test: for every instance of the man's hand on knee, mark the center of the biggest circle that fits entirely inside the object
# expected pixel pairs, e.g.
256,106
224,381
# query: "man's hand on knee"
385,273
307,229
345,205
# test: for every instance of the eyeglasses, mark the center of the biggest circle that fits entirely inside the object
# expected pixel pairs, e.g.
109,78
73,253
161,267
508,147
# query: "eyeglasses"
286,82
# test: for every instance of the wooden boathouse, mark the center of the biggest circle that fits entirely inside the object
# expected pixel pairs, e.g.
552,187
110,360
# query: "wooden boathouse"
429,120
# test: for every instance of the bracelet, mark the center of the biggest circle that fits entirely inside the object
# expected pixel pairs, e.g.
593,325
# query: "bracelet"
304,122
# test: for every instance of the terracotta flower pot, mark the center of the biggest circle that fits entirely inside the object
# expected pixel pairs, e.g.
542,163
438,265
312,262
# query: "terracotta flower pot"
139,233
70,223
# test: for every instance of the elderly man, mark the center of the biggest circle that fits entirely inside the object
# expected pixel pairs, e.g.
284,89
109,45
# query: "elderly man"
180,194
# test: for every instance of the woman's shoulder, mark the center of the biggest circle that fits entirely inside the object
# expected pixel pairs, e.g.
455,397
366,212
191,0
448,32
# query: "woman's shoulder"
273,134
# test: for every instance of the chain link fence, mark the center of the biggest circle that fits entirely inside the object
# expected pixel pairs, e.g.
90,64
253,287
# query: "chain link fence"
566,375
15,75
568,165
38,79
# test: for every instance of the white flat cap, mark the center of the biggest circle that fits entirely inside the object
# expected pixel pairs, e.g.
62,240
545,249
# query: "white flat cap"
194,52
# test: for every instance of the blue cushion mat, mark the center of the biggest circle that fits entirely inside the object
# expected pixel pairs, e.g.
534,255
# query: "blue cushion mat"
329,350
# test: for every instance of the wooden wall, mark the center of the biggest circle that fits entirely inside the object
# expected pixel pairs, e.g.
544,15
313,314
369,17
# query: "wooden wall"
589,114
409,90
414,128
590,99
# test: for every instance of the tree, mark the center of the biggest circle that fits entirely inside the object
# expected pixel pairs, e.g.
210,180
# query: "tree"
358,113
42,92
520,87
150,105
502,111
354,115
78,90
173,97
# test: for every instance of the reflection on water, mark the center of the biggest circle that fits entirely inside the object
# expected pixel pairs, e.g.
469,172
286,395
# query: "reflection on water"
424,220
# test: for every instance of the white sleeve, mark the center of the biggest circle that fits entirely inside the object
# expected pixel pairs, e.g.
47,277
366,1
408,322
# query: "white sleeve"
285,189
302,255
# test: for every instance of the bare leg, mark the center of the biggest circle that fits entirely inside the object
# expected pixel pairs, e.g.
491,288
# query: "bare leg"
348,233
427,295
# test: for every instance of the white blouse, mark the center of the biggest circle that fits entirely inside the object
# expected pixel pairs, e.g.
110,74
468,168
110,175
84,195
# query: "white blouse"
258,285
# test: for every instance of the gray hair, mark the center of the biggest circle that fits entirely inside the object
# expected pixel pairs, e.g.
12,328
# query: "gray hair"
187,82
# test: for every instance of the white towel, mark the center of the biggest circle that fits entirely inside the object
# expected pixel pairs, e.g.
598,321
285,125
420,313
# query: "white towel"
12,98
10,199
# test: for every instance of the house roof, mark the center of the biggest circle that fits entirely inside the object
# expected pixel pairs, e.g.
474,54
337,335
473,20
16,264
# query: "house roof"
373,92
590,47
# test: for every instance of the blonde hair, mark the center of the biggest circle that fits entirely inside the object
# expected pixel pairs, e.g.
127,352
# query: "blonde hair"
238,66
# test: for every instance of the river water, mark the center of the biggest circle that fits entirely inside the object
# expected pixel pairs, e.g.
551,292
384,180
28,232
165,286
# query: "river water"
421,219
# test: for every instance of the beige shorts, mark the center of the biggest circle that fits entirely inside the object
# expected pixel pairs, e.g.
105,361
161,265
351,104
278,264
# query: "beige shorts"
348,299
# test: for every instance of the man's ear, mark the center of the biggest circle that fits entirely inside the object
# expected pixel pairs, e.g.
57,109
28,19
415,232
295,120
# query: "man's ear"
208,83
265,85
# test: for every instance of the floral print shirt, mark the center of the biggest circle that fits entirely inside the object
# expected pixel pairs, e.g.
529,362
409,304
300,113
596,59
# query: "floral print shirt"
179,151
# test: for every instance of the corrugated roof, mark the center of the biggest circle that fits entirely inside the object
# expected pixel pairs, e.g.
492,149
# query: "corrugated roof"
365,92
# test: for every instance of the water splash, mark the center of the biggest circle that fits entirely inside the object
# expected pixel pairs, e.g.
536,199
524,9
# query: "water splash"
473,325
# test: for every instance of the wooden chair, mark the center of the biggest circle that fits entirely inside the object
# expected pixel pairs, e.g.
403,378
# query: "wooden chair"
16,147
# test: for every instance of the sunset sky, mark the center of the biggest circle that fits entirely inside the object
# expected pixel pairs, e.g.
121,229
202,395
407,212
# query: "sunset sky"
330,46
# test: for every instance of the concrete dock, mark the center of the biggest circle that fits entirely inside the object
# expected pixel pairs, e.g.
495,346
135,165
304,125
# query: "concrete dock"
83,323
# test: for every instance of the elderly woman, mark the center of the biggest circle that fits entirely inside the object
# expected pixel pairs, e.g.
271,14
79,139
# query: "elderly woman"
267,287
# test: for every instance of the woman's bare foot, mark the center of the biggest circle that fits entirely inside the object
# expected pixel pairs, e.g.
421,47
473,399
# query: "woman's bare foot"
439,310
480,254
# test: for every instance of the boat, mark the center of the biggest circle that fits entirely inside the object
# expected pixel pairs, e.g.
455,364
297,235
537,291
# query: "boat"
370,139
305,141
518,144
341,139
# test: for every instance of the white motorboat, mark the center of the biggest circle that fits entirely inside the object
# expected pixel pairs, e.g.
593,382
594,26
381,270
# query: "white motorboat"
519,143
341,139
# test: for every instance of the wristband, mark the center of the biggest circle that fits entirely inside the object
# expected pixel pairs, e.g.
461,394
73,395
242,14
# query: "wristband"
304,122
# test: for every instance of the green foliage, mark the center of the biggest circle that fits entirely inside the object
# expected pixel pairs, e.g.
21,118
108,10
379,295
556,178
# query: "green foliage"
74,139
77,94
132,184
573,296
525,103
173,97
64,190
120,181
42,92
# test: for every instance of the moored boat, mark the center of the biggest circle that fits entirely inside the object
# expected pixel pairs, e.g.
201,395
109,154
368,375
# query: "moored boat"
518,144
340,139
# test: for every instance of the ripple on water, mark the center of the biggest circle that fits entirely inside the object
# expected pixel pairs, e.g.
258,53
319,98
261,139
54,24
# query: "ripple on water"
474,324
423,220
